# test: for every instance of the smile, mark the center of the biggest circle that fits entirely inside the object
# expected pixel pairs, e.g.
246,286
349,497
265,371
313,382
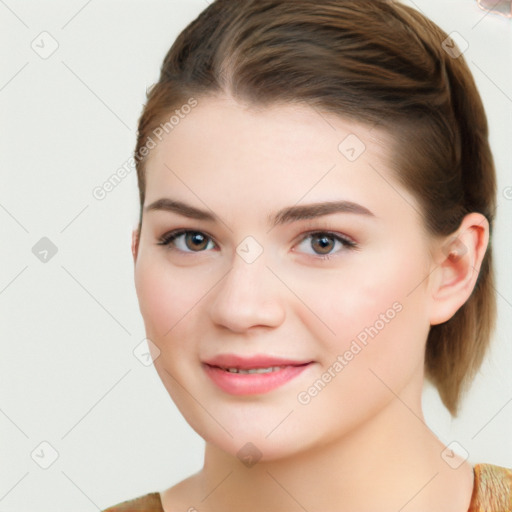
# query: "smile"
254,370
237,375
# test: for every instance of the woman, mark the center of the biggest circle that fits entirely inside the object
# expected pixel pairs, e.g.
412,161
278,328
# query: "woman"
317,199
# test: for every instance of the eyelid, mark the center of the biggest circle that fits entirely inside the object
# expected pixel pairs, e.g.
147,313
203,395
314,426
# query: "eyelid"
348,243
333,233
168,237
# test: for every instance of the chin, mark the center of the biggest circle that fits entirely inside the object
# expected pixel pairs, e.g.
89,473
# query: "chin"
250,449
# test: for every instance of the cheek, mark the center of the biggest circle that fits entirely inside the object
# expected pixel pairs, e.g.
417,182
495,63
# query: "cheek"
379,305
377,351
368,284
166,296
396,327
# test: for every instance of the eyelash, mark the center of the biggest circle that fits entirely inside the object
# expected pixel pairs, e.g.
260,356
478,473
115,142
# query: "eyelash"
347,243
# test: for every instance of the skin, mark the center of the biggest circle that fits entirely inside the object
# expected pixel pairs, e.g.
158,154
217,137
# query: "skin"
365,429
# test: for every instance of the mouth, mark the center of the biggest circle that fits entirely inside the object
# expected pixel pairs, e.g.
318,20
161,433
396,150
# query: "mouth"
253,370
254,362
239,375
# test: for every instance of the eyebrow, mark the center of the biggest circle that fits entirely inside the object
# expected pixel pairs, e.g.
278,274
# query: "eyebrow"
285,216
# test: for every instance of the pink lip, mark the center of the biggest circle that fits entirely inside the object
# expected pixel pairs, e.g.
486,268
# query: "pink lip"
254,383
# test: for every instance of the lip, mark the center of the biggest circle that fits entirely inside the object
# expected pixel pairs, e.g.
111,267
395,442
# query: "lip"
253,383
255,361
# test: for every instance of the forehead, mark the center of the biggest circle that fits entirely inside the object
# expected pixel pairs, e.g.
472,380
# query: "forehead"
242,156
281,131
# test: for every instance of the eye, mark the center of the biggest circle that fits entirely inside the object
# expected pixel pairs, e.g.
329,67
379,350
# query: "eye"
185,240
189,241
324,242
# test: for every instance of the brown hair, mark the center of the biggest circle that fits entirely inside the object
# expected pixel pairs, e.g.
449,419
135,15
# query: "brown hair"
373,61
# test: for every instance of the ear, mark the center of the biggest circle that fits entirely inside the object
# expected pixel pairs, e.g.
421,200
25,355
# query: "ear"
459,258
135,243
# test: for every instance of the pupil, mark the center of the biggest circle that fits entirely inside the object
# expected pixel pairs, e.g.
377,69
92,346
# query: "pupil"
324,242
196,238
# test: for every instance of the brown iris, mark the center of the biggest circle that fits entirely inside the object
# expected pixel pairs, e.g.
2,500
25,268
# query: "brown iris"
324,244
198,241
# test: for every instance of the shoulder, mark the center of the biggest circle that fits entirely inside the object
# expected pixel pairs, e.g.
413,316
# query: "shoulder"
492,489
148,503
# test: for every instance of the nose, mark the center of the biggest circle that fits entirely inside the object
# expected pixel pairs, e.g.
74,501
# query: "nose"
248,296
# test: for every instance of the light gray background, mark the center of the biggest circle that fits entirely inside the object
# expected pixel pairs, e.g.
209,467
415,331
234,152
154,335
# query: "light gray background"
69,326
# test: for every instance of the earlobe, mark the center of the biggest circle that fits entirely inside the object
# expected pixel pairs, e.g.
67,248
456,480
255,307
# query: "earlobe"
135,244
460,258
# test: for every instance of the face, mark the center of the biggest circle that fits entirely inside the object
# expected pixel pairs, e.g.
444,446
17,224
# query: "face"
327,305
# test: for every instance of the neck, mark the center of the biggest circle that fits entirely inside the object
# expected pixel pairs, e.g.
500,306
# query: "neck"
392,462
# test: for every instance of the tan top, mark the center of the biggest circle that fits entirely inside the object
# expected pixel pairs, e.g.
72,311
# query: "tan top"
492,492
